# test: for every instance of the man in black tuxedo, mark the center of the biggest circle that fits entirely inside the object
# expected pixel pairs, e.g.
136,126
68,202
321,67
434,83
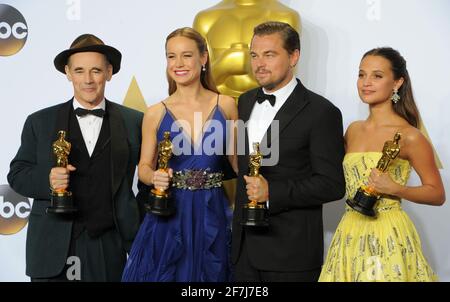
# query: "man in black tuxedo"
105,142
308,171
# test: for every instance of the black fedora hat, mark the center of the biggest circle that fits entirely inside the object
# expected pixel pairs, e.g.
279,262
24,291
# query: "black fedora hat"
88,42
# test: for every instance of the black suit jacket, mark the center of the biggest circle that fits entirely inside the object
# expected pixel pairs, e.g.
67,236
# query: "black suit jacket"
308,174
48,235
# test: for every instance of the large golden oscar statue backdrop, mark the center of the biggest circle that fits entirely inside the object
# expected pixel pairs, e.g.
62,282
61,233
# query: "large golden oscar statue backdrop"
228,29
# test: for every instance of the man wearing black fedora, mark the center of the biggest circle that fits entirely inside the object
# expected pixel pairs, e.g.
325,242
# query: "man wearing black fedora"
105,138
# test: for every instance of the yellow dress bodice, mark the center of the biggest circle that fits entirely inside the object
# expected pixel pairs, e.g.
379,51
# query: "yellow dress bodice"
357,168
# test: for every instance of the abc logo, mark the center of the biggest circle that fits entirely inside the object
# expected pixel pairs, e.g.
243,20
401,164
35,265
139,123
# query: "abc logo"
13,30
14,211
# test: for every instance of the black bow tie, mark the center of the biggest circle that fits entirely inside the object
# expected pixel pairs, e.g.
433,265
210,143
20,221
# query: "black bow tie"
82,112
261,97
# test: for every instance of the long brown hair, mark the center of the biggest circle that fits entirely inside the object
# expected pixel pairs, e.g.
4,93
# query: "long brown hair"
206,78
406,106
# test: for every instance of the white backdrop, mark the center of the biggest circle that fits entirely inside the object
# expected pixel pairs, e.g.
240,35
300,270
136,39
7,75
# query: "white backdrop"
335,35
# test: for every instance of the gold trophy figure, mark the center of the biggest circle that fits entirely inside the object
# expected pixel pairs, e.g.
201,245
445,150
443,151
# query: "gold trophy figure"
61,201
254,213
161,202
366,197
228,30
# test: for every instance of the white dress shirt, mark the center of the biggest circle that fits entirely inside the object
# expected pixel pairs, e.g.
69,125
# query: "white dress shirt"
90,125
263,114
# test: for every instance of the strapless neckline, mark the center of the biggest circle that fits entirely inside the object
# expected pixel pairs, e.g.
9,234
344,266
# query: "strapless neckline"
371,152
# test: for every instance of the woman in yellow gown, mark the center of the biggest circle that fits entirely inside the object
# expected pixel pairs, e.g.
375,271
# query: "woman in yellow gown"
385,247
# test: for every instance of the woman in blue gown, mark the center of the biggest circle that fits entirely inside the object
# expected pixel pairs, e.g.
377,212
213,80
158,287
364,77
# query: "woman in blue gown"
193,245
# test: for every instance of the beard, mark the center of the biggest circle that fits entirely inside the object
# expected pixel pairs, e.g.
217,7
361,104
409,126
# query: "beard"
272,84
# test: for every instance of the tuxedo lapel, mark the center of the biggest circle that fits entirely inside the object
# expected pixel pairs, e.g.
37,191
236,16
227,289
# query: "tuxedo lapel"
119,145
62,123
290,109
247,105
104,138
62,119
76,137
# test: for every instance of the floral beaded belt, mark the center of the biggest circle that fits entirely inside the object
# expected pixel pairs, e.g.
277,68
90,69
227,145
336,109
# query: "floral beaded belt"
196,179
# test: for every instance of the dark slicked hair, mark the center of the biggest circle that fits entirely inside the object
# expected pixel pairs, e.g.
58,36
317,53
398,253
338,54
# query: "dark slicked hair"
290,37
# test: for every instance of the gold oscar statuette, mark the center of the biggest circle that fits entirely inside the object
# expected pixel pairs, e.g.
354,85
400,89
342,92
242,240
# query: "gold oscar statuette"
366,197
161,202
61,201
255,214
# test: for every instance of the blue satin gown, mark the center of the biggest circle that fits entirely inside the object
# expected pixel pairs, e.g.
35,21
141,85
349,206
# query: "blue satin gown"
194,244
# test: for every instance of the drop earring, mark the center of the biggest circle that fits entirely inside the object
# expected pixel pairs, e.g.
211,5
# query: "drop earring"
395,97
203,68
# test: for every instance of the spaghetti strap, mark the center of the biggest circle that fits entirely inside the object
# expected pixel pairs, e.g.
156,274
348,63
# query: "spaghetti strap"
162,116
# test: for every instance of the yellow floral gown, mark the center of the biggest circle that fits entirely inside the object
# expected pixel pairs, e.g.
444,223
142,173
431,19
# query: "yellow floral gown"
382,248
